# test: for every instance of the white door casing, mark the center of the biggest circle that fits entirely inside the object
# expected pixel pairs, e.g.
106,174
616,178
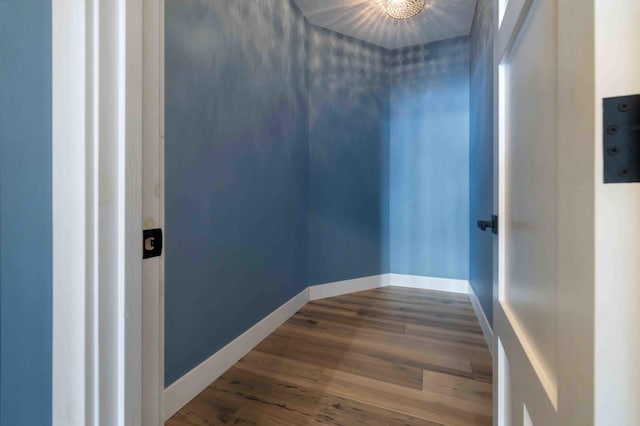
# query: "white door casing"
153,212
96,181
617,301
543,301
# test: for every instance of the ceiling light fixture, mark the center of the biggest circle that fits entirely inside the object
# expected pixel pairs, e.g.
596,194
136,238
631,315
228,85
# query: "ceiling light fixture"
403,9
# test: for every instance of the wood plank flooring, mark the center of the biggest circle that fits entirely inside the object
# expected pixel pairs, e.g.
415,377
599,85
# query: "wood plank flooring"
389,356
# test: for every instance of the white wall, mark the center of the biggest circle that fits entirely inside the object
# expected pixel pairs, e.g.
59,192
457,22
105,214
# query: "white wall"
617,306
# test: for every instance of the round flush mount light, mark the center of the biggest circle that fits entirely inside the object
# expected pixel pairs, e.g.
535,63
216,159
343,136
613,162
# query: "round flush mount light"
404,9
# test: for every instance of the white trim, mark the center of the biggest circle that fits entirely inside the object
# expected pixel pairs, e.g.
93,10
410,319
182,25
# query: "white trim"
509,27
322,291
153,212
499,361
73,391
195,381
130,117
616,317
487,331
516,339
96,179
430,283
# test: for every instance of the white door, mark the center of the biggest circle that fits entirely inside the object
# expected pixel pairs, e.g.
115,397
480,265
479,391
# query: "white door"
543,353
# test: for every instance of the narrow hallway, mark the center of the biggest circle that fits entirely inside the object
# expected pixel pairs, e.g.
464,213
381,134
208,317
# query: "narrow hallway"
388,356
303,212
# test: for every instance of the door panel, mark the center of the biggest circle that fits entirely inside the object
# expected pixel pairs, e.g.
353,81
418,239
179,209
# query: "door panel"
544,184
525,316
531,199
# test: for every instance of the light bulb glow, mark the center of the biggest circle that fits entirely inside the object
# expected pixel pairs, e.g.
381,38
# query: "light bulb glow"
404,9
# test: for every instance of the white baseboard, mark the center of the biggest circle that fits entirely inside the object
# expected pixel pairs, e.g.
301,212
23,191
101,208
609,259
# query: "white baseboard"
482,319
430,283
322,291
195,381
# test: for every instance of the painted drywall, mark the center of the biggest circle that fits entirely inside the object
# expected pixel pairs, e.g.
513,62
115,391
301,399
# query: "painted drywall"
292,152
531,202
429,160
25,212
348,157
236,170
481,155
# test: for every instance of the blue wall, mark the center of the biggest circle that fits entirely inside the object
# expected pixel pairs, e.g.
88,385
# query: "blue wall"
236,170
25,212
257,207
298,156
481,155
348,157
429,173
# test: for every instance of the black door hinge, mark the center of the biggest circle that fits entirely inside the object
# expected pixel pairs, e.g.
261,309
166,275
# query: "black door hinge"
621,139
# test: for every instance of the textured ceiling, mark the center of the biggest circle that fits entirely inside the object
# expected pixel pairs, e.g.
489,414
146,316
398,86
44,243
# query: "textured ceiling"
367,20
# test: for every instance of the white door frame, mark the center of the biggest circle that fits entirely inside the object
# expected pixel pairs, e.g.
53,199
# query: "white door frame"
153,213
617,306
570,392
98,127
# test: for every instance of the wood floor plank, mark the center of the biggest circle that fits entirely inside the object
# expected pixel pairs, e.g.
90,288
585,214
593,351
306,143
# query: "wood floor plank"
277,402
332,310
337,355
326,330
408,303
423,404
417,314
449,409
398,349
378,324
388,356
355,302
298,372
454,367
471,338
209,408
440,331
457,387
482,371
280,368
428,320
416,293
187,418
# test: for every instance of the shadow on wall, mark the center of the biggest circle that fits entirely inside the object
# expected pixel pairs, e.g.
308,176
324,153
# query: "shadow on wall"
481,152
348,157
429,157
236,170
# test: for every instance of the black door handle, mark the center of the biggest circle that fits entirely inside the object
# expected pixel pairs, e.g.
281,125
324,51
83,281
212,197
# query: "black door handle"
489,224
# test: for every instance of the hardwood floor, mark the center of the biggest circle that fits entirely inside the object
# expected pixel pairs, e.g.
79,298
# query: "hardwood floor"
389,356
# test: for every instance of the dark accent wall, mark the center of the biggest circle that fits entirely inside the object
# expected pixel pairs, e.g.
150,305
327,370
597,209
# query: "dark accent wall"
481,155
348,157
236,170
429,156
25,212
